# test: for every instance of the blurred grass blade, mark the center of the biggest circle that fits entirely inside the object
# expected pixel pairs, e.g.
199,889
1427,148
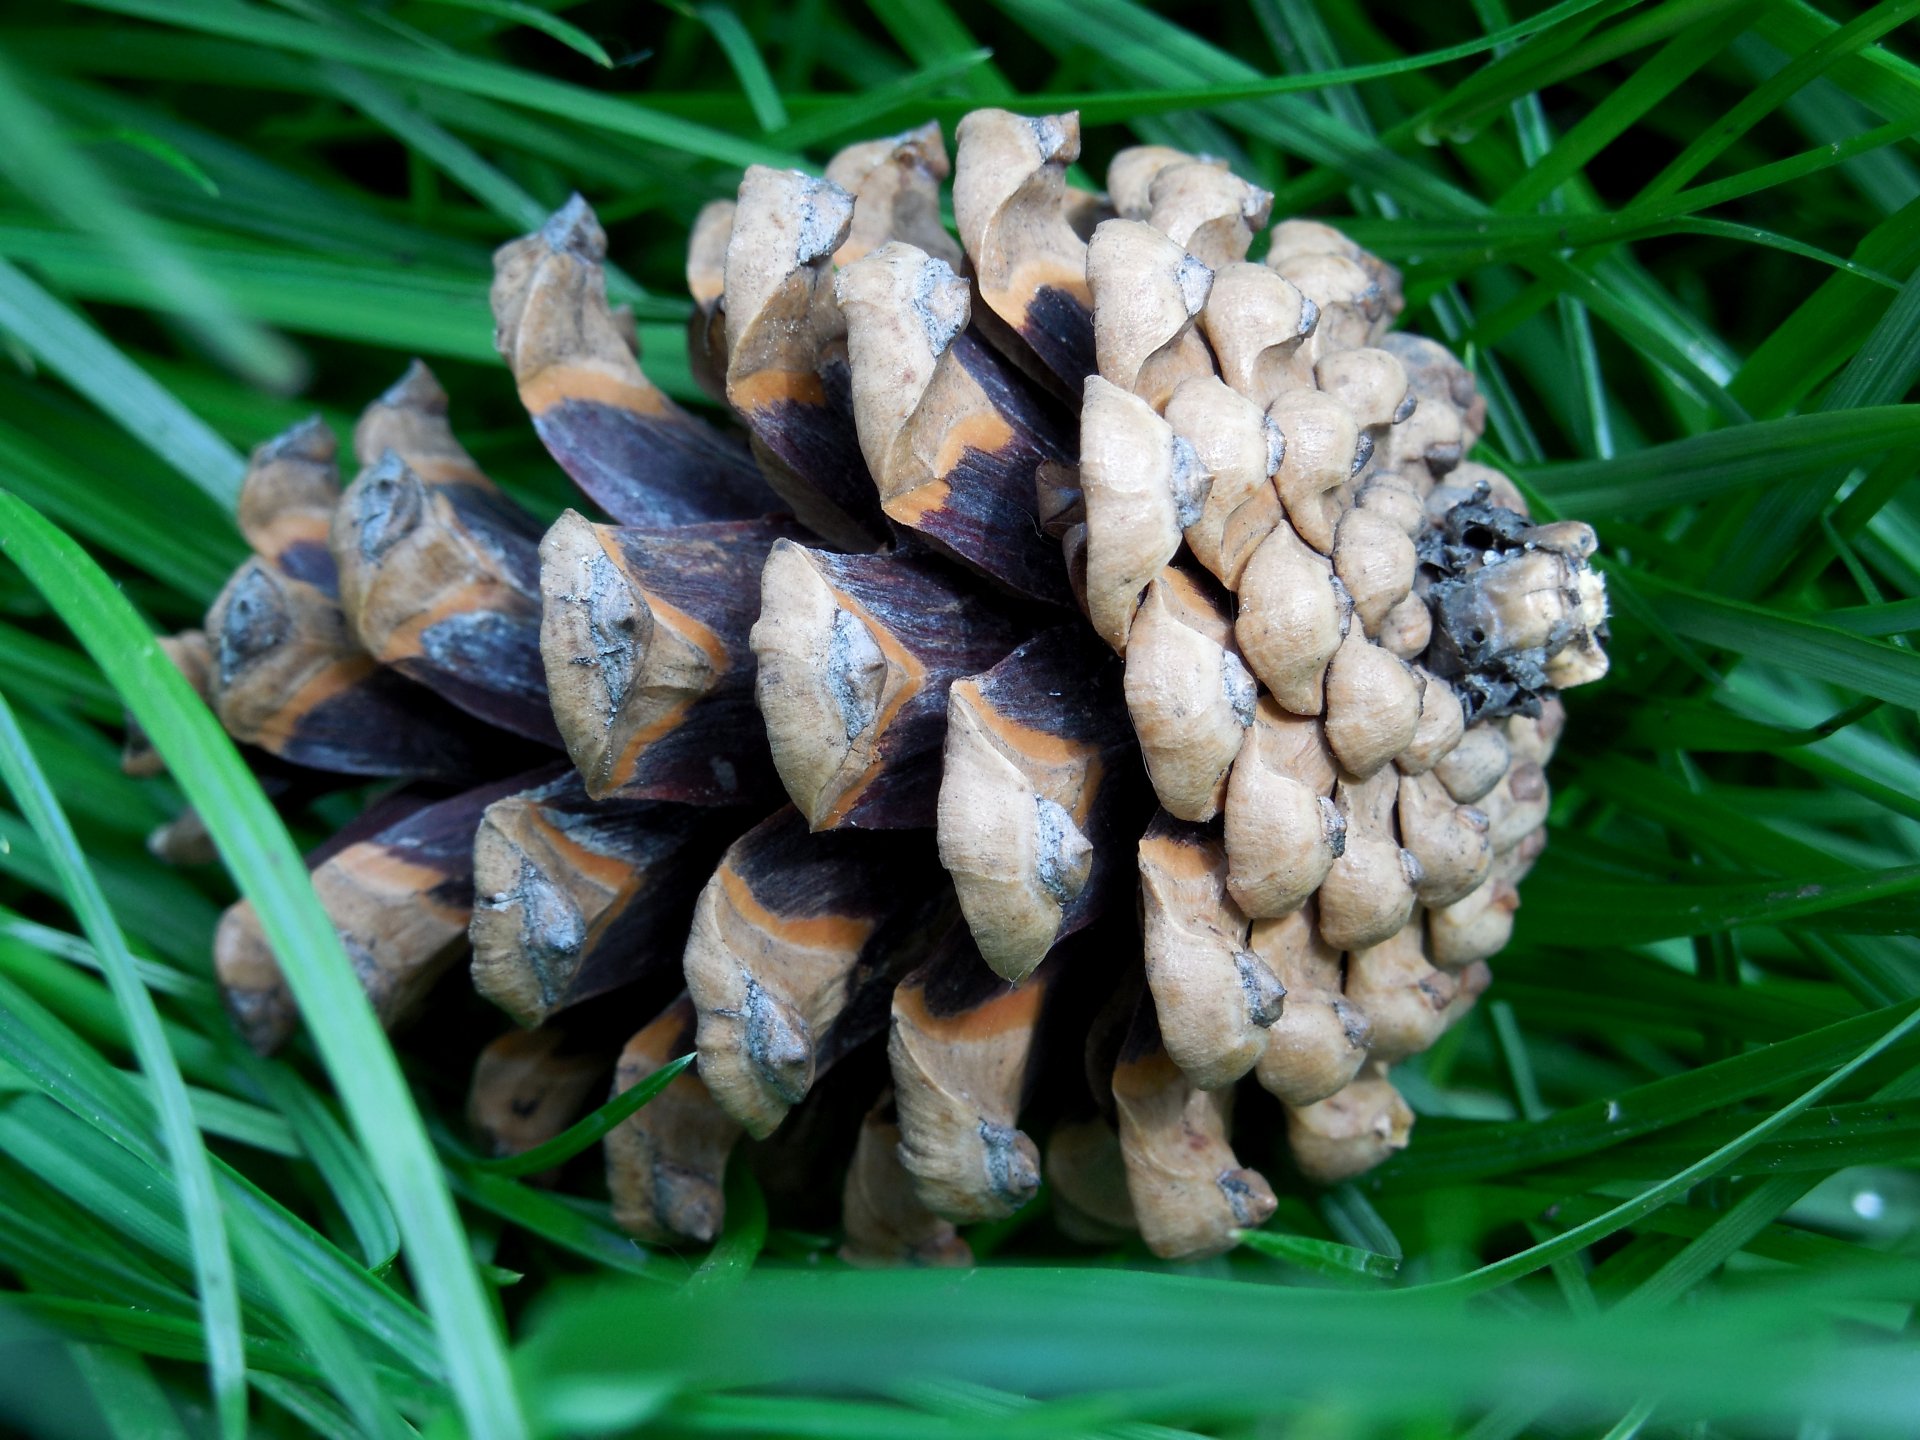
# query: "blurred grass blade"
448,152
1566,907
1105,107
1738,1225
533,17
1822,652
1701,467
1859,32
1674,1186
613,114
172,156
1391,1359
78,353
212,1260
744,56
850,114
270,873
485,181
40,161
130,1400
1479,1151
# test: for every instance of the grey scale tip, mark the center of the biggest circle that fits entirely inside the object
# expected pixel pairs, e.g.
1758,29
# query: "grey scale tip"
574,229
310,439
417,389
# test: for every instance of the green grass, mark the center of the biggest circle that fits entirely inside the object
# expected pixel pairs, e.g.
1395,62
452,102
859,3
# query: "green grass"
1666,1181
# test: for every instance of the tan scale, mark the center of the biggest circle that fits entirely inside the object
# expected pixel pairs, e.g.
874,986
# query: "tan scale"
1478,925
288,497
1190,1193
1323,455
815,646
554,327
766,985
1373,704
885,1221
1189,695
1014,801
1322,1036
1142,485
667,1162
1295,616
1147,292
707,284
528,1086
624,665
1517,804
1010,204
1475,763
896,184
1131,173
1283,831
1375,562
1214,996
1407,629
1370,890
1350,1131
399,931
1406,999
1207,210
281,650
1240,446
1258,325
1438,732
961,1065
1450,840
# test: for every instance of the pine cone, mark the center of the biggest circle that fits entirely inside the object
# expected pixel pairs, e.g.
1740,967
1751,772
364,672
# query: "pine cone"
1096,670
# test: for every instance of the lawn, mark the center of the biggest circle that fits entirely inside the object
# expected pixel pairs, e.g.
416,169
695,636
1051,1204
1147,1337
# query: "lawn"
1666,1177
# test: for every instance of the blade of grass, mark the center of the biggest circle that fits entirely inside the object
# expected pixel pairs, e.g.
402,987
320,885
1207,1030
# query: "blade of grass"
454,156
588,1131
849,114
1537,1257
1480,1150
1796,450
568,1226
63,179
130,1400
1566,907
1858,33
82,357
744,56
1321,1257
270,873
518,12
1827,653
745,1236
1737,1227
614,114
213,1261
